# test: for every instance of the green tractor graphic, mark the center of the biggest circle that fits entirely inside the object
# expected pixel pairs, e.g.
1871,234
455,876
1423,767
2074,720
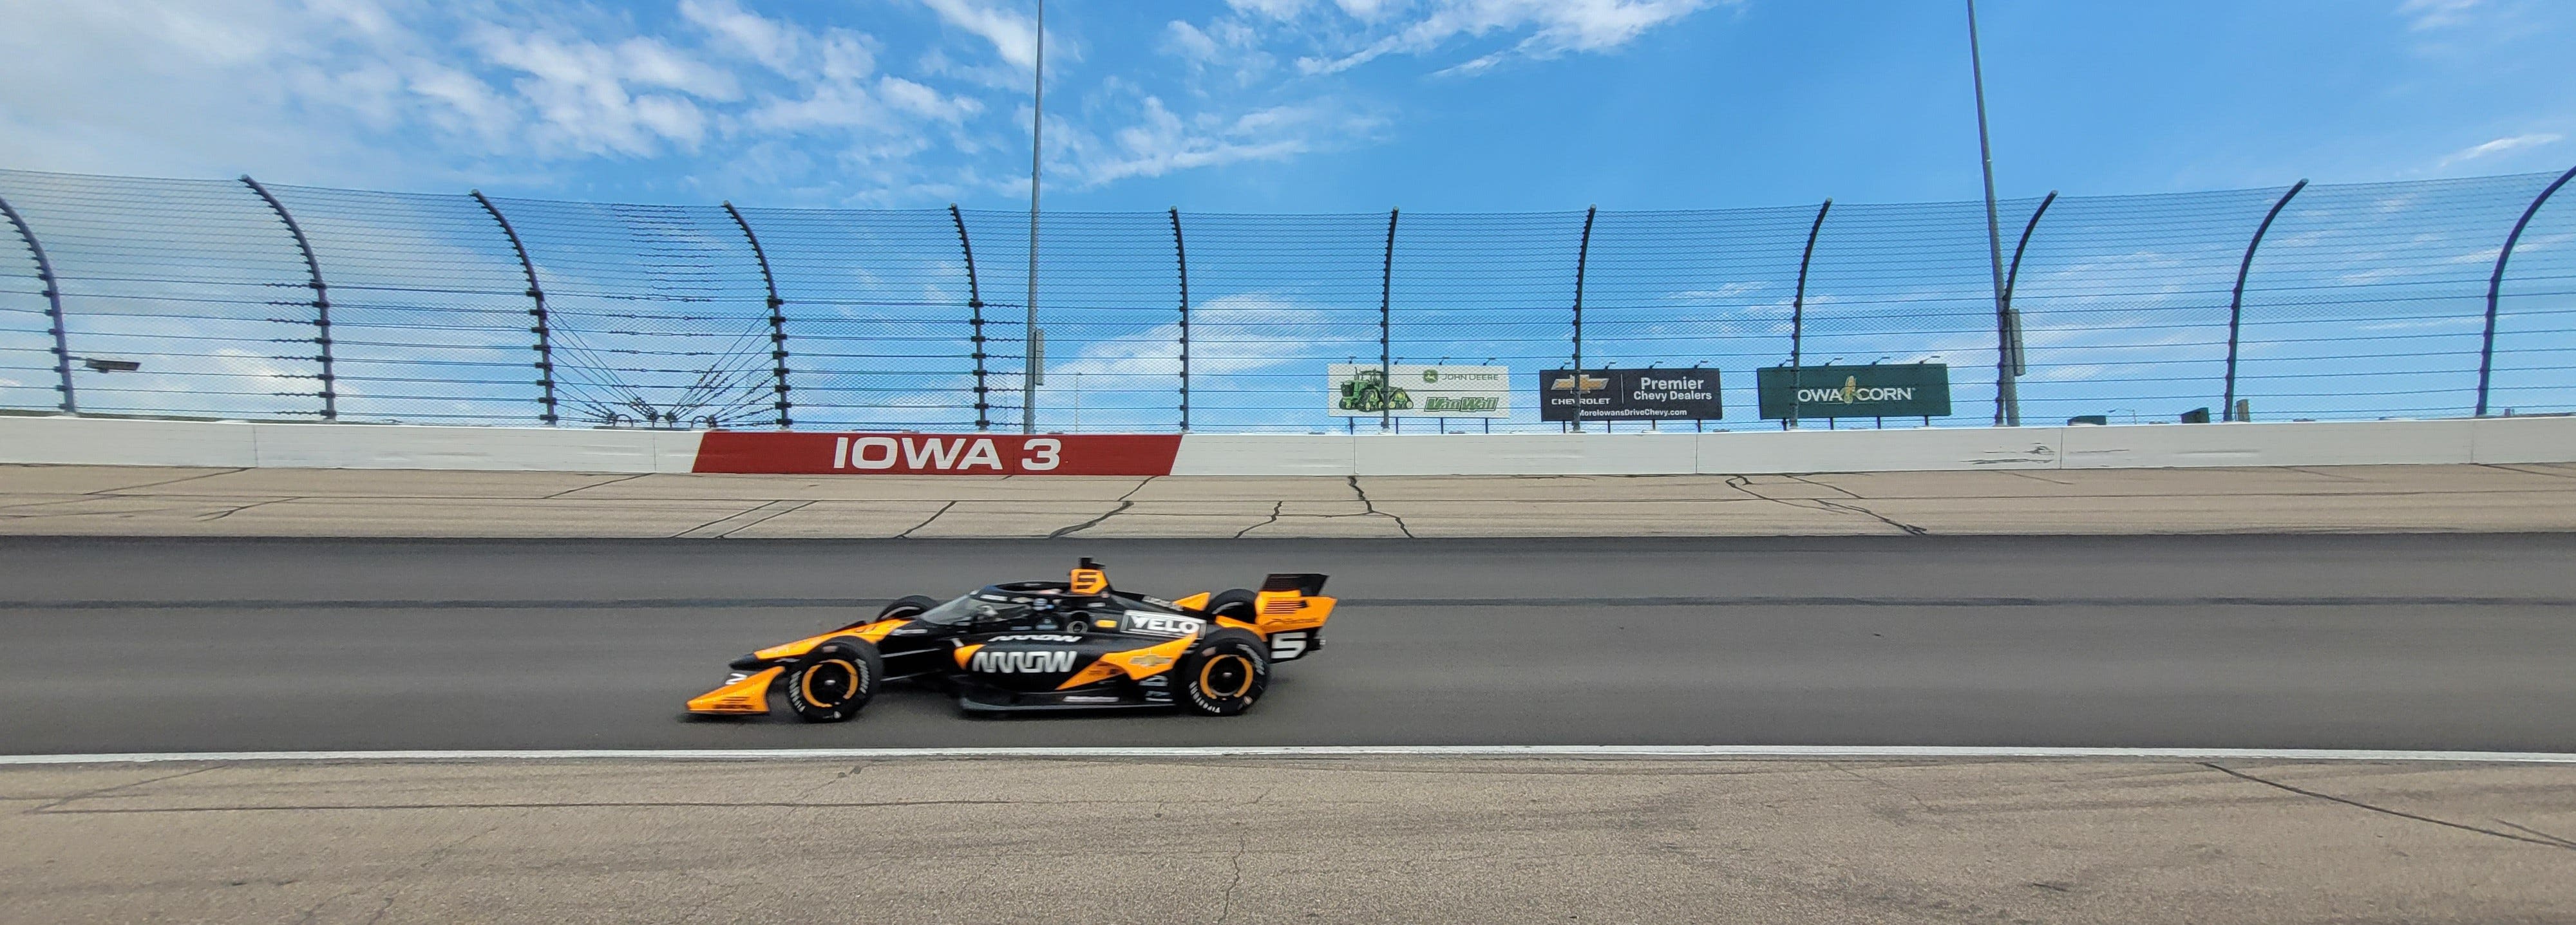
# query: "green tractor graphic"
1367,391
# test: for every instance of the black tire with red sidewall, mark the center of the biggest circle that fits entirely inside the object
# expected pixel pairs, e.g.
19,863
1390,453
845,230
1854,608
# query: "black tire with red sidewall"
831,683
1224,674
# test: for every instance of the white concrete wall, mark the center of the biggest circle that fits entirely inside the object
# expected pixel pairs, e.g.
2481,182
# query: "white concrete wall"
2142,446
112,442
97,441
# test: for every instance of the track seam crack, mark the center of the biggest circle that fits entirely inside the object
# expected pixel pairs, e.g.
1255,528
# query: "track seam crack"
1123,504
1848,493
765,518
228,512
1371,507
1275,508
719,520
1882,518
934,515
595,485
102,791
1745,484
105,492
2545,840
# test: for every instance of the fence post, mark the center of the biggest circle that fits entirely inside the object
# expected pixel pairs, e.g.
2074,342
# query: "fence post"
2495,286
2236,301
2019,361
1582,267
1182,254
545,344
777,318
53,306
1798,312
974,304
321,297
1386,329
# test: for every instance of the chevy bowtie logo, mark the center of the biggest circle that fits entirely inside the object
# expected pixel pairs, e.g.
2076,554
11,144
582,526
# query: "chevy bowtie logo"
1590,383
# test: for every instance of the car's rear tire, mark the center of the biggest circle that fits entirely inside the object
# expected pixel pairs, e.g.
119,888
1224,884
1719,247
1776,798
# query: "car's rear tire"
1224,674
1235,603
831,683
913,606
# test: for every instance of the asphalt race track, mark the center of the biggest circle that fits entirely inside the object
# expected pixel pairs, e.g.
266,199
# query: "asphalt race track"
2391,642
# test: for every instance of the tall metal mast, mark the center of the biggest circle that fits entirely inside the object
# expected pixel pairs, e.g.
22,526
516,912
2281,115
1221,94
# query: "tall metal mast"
2007,333
1036,338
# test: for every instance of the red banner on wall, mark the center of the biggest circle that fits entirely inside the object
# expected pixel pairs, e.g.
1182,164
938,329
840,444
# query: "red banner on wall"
936,454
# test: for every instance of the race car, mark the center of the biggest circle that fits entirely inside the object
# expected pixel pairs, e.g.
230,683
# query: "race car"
1076,644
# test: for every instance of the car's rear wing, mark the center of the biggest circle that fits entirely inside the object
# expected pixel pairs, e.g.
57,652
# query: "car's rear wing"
1306,584
1291,609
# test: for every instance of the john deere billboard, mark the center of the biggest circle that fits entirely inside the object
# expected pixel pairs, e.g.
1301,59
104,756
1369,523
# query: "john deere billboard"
1411,391
1898,390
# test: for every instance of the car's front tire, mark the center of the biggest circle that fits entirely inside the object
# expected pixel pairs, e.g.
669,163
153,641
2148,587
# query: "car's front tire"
831,683
1224,675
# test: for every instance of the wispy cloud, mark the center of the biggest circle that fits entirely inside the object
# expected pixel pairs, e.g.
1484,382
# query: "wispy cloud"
2436,14
1157,141
2500,146
1542,28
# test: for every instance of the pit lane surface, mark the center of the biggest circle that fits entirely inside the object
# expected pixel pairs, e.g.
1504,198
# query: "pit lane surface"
2400,642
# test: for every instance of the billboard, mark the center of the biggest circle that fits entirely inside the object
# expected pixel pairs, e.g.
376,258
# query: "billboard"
805,453
1689,394
1898,390
1366,390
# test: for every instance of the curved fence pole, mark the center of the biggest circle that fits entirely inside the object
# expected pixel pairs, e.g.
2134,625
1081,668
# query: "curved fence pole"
1386,328
777,318
1798,311
2495,286
974,304
321,296
2012,278
1798,301
2236,301
54,306
1582,268
1182,254
545,345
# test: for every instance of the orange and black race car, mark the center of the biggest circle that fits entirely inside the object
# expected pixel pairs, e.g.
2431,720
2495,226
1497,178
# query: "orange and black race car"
1076,644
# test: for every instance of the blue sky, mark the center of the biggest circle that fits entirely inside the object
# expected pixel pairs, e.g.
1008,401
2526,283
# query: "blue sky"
1285,105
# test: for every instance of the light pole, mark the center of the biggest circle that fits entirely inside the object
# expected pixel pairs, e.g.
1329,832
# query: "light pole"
2007,396
1036,338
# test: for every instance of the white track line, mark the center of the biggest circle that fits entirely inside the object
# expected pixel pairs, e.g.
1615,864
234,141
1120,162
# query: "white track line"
1334,751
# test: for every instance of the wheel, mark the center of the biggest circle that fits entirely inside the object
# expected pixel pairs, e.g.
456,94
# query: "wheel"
1224,675
1237,603
912,606
831,683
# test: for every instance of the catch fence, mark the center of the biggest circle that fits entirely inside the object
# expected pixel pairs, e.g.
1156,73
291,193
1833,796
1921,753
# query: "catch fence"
241,300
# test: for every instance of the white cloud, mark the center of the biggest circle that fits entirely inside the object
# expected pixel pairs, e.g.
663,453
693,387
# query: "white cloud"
772,43
2500,146
1546,28
1014,37
420,94
1158,141
586,95
2435,14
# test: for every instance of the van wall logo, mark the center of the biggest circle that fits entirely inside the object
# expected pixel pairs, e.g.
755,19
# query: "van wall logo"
1852,393
1407,390
1883,390
937,454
